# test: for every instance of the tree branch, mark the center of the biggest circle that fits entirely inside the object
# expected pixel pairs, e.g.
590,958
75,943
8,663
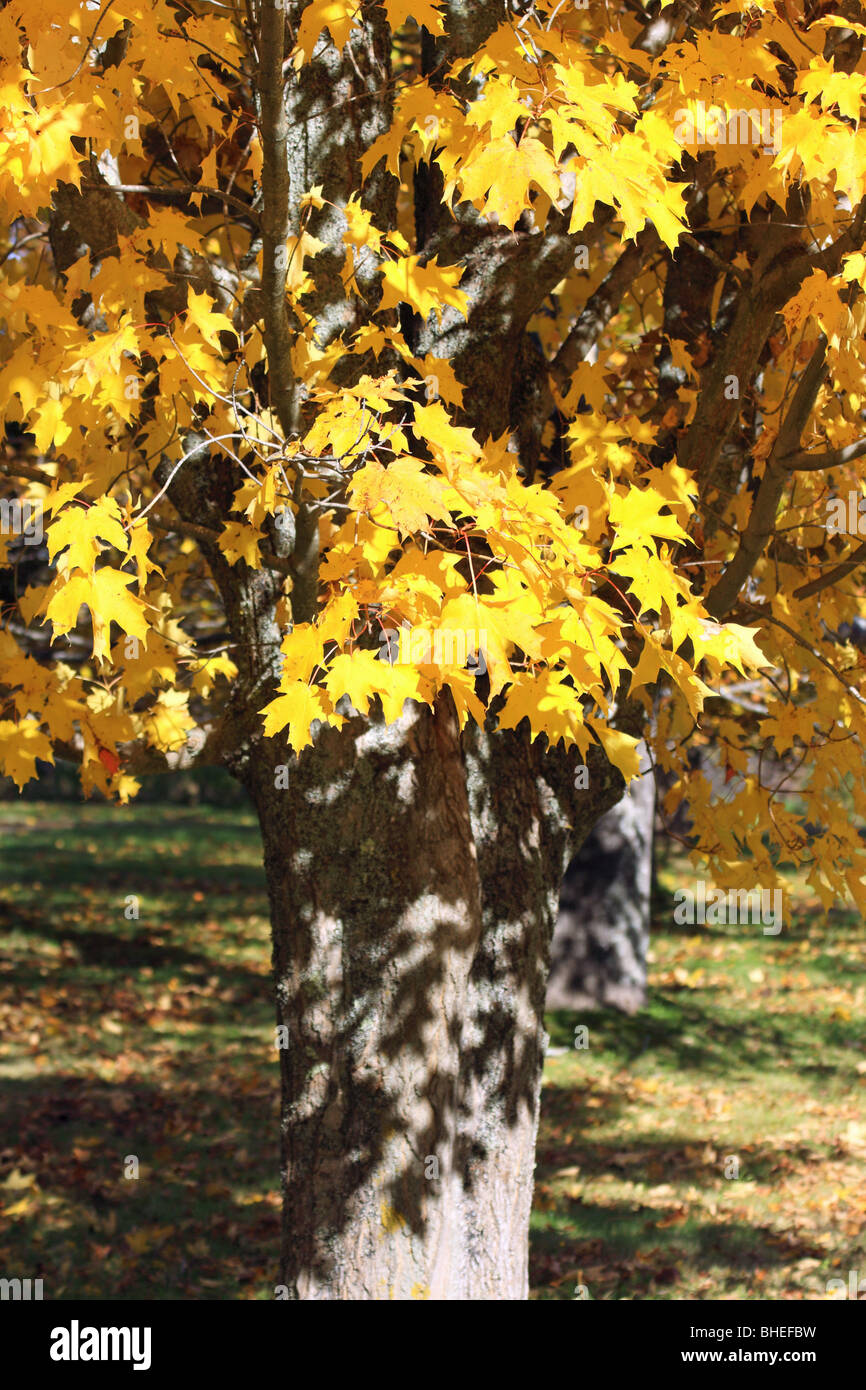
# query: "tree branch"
168,192
839,572
601,306
743,277
27,470
208,536
804,462
275,215
760,611
762,519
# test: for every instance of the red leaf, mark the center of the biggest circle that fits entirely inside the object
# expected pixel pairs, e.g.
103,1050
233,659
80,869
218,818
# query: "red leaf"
110,761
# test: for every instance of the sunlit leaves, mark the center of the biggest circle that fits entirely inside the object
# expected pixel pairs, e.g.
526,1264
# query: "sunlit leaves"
570,553
426,288
20,745
295,709
409,494
107,594
499,177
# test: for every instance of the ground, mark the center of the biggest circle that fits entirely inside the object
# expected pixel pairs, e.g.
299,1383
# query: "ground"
151,1038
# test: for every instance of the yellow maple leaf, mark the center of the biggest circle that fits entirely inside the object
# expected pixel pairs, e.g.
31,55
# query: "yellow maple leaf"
728,644
81,528
210,322
295,709
636,514
461,683
448,442
361,676
411,495
500,106
298,248
425,287
240,541
168,722
206,670
50,425
20,745
337,16
106,594
302,651
422,11
620,749
498,177
551,707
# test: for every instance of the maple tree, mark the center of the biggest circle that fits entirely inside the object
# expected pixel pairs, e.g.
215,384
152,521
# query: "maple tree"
533,326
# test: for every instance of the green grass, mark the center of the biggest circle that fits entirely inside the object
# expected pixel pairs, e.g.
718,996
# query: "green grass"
150,1037
153,1037
751,1049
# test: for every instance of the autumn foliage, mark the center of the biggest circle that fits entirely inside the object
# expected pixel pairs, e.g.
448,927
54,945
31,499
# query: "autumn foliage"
651,535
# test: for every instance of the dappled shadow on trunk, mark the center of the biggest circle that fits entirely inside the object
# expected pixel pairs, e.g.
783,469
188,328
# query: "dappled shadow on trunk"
375,902
413,877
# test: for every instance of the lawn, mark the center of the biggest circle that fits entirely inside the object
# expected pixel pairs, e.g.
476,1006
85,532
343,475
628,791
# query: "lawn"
711,1147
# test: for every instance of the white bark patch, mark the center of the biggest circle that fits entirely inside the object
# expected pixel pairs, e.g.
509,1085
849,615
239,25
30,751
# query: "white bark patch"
326,796
407,785
388,738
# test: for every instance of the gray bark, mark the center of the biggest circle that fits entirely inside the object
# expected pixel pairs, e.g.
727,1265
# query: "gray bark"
412,875
599,950
413,872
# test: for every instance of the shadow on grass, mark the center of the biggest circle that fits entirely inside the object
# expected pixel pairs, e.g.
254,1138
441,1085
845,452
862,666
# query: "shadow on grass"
190,1029
660,1236
199,1221
624,1250
675,1033
118,951
133,868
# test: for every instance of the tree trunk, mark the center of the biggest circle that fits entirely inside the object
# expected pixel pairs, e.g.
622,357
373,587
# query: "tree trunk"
412,874
412,871
599,951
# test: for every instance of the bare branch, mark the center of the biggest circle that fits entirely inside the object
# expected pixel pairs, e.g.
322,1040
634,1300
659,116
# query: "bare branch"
839,572
275,215
804,462
601,306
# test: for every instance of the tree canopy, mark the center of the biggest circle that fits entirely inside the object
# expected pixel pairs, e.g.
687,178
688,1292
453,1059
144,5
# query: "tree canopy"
538,327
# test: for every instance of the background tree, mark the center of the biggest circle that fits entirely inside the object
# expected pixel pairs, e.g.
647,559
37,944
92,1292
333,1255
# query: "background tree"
321,327
598,956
